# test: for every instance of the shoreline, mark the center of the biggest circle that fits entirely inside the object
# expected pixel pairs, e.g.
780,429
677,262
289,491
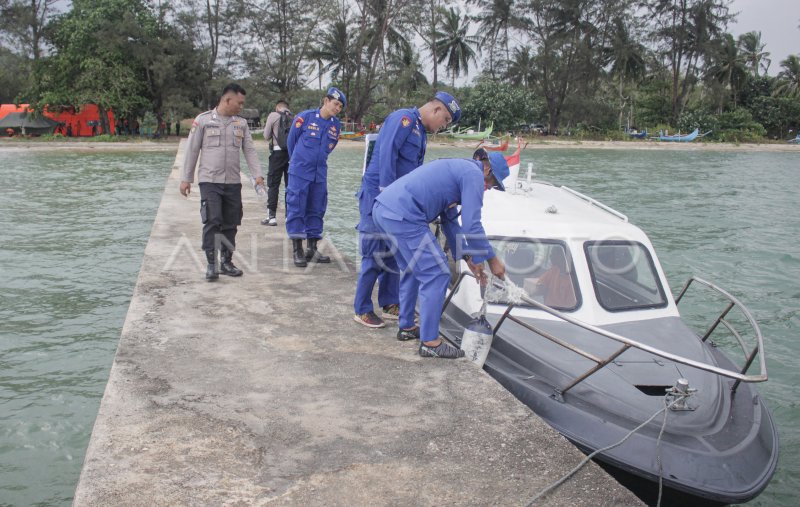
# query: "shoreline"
535,144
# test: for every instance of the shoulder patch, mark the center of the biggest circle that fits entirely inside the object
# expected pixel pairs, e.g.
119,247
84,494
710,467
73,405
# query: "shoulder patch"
405,121
299,122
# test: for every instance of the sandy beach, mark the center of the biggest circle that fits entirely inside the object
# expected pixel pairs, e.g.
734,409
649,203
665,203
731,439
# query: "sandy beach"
539,143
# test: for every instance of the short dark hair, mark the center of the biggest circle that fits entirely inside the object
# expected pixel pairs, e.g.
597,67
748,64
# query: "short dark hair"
282,102
233,87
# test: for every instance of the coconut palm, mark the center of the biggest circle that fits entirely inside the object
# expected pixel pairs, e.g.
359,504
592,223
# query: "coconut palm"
496,19
789,78
334,51
405,69
521,69
729,66
627,59
752,50
456,47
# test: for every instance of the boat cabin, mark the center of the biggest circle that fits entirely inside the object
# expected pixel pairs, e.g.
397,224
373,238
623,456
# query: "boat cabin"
573,254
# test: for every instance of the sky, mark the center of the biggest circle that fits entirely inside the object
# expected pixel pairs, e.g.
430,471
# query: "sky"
778,22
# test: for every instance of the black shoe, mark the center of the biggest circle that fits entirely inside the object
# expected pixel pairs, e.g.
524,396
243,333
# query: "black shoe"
313,255
408,334
298,256
211,271
443,351
226,267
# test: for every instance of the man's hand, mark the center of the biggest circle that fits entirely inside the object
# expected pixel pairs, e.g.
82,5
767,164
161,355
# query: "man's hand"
497,267
260,180
477,270
186,188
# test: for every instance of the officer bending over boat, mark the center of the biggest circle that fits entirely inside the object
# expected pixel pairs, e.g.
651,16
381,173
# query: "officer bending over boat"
220,134
404,210
314,135
399,149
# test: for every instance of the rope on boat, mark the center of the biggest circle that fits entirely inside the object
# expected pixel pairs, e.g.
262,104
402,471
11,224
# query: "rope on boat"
509,292
678,397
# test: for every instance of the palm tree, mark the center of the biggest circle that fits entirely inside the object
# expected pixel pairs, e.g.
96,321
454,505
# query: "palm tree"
789,79
728,66
496,19
753,53
405,68
425,20
521,69
455,46
334,50
627,59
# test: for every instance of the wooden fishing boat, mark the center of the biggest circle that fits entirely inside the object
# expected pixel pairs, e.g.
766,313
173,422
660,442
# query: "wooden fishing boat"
677,138
353,136
490,147
471,135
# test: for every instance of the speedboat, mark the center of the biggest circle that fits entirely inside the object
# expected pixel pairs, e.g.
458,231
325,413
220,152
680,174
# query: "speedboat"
594,342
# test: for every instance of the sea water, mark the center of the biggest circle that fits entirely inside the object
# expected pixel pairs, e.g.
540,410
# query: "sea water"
74,227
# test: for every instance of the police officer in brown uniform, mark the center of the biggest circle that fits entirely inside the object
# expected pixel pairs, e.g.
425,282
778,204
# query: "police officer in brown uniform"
220,134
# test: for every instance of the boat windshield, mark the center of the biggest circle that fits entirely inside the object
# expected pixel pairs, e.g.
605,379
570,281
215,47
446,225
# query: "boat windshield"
543,268
624,275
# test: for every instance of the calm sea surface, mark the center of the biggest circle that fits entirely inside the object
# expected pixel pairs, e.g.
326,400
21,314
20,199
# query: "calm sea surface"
74,227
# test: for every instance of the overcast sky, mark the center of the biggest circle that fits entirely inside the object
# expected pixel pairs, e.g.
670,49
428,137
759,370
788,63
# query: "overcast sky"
777,20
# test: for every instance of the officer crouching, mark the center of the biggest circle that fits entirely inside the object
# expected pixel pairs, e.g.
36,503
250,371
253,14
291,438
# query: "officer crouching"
220,134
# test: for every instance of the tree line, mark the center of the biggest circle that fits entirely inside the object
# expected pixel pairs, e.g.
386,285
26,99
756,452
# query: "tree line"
573,65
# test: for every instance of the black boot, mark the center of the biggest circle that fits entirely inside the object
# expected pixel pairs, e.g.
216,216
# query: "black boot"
313,255
211,270
226,266
298,255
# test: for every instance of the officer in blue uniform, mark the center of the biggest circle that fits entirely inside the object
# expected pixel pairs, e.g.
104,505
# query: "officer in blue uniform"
313,137
400,148
404,210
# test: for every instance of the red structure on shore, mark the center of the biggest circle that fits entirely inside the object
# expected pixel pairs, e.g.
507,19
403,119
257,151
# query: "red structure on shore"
83,123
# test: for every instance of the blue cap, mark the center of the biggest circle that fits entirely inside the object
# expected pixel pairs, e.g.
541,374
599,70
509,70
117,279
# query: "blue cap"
336,94
499,167
450,103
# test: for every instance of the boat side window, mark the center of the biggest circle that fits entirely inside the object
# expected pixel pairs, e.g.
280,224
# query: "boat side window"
624,276
543,268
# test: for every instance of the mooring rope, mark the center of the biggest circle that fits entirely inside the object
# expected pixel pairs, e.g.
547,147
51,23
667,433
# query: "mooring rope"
678,397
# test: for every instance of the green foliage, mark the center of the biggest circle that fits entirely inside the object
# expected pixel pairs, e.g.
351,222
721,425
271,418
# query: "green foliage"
699,119
13,69
653,104
740,127
585,67
505,105
779,115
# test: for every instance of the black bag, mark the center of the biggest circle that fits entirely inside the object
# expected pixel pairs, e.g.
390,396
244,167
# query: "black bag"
284,126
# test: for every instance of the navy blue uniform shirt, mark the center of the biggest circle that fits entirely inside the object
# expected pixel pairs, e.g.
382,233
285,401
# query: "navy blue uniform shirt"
311,139
436,189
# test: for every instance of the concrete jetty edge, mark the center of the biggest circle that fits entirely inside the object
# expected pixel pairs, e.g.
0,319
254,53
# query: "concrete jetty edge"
261,390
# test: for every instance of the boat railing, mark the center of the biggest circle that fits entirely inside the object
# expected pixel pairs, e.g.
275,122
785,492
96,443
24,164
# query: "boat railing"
595,202
600,362
749,355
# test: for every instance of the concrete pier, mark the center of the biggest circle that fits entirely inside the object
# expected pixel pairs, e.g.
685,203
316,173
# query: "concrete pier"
262,390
